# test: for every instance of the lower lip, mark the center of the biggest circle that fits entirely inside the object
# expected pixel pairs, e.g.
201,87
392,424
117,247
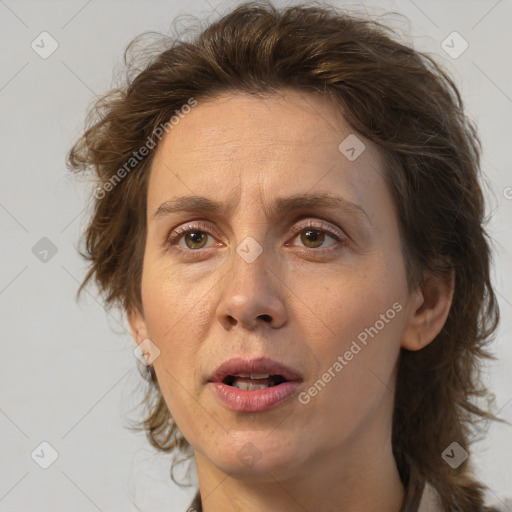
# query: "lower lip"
254,400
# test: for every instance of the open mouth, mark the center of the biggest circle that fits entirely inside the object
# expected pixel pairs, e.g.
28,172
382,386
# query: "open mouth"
252,381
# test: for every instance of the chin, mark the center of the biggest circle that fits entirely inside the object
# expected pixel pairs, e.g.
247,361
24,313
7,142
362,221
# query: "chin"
256,456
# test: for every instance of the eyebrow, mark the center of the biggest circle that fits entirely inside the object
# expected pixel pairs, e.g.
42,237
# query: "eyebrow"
282,205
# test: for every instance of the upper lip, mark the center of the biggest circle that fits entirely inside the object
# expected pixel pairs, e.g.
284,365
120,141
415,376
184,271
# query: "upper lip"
239,365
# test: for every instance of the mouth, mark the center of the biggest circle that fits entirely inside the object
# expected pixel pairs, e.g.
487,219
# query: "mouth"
255,385
252,381
257,373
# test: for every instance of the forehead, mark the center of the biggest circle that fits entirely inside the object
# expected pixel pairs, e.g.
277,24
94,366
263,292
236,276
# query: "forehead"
287,120
286,142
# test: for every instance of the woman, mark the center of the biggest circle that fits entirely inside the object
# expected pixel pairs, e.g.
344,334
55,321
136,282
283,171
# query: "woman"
289,211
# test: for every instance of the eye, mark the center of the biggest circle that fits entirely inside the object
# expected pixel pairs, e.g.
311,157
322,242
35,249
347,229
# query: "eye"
194,236
314,234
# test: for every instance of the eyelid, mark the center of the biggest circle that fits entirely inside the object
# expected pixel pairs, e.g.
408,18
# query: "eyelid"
191,226
320,225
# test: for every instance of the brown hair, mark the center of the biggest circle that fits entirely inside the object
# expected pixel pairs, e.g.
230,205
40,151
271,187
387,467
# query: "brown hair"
397,97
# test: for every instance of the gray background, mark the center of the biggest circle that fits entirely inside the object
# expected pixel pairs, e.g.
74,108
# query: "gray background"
68,372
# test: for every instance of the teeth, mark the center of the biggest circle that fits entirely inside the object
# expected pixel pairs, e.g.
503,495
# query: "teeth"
246,386
250,381
252,375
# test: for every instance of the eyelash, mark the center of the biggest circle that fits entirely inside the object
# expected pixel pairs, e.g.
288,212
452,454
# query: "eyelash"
174,238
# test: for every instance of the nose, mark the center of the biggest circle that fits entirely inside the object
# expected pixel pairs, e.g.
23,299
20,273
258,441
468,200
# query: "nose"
251,296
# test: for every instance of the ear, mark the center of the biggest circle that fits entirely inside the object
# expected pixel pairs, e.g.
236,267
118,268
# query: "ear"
137,325
428,310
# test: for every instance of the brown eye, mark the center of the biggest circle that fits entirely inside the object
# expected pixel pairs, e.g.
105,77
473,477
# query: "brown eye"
312,238
197,239
315,234
194,236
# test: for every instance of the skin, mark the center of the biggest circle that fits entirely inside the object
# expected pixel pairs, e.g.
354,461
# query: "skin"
295,303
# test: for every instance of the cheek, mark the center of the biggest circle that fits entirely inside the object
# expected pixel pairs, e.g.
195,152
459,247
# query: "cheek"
349,303
175,320
354,379
361,321
168,314
168,298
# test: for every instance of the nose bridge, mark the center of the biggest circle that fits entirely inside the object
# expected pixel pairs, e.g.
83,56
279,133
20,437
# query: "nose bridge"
251,291
250,263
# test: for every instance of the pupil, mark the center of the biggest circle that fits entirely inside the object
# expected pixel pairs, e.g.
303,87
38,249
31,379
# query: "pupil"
195,237
311,236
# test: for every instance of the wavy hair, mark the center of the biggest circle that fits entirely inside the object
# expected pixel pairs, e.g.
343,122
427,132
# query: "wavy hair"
397,97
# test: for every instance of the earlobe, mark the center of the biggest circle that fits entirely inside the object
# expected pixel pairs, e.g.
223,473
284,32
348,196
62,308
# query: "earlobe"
428,310
137,324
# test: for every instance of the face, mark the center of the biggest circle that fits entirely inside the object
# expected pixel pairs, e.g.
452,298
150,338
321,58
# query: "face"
318,286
